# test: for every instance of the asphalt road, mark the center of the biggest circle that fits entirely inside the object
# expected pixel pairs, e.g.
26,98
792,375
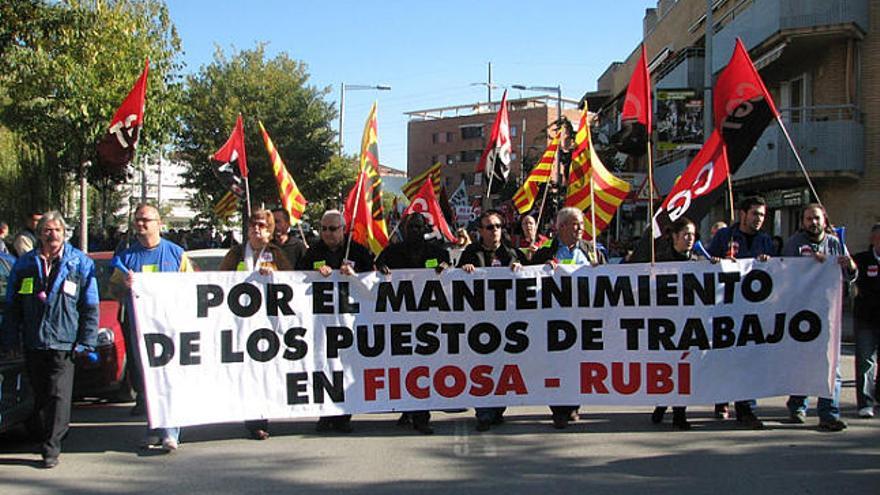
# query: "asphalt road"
611,450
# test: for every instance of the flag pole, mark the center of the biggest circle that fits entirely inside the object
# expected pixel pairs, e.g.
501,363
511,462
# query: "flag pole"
247,194
798,158
302,234
651,199
593,215
488,202
547,184
357,197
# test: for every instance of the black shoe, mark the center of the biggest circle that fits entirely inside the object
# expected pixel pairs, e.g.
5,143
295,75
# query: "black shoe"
403,420
560,422
483,425
323,425
657,415
832,425
423,428
50,462
751,421
498,420
681,424
139,409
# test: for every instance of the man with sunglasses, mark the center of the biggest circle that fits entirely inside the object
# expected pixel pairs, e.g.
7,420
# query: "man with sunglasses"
324,256
489,252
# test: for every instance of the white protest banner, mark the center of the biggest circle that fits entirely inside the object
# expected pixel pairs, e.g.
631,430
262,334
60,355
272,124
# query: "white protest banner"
219,347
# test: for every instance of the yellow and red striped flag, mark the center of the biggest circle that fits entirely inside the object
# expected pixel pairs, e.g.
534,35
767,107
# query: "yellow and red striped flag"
227,206
412,187
368,230
524,198
291,198
589,176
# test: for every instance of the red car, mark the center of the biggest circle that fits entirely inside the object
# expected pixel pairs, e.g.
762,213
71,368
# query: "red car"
102,374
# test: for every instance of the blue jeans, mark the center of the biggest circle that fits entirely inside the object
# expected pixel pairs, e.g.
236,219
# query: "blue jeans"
828,409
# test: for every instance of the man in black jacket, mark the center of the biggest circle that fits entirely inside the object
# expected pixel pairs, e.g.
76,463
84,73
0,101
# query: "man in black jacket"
866,319
489,252
568,248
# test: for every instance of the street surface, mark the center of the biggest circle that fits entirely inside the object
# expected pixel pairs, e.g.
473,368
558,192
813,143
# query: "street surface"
611,450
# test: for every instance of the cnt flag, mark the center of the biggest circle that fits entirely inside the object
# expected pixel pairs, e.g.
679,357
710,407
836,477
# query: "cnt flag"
227,205
364,215
742,106
697,189
233,152
495,159
636,116
291,198
116,149
412,187
425,203
524,199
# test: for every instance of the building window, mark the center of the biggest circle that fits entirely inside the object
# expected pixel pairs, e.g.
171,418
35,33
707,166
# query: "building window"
472,132
449,135
435,138
470,155
450,159
513,131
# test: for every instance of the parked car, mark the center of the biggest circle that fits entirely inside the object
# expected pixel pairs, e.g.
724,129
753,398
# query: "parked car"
206,260
102,374
16,395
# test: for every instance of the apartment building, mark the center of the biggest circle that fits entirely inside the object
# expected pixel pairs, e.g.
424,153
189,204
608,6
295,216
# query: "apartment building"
818,59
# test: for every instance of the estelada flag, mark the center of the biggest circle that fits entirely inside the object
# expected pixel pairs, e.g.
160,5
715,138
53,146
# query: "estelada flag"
636,117
742,106
412,187
524,199
425,203
116,149
231,153
698,187
291,197
495,159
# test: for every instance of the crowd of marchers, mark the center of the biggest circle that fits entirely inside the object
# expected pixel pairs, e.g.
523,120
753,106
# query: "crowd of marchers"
52,296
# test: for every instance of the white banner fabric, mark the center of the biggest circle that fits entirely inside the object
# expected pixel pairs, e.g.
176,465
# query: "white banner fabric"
227,346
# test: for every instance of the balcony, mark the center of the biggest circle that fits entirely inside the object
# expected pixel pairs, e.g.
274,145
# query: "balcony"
829,138
764,18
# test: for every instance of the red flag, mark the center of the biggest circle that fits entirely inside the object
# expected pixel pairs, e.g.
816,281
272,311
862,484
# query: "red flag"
233,150
637,106
742,106
692,194
497,152
358,215
425,202
116,149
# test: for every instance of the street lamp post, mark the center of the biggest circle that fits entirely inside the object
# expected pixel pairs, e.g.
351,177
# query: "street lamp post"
352,87
558,89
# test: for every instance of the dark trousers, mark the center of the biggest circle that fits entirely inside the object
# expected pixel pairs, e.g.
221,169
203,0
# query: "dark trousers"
51,374
417,417
253,425
867,350
133,362
490,414
563,412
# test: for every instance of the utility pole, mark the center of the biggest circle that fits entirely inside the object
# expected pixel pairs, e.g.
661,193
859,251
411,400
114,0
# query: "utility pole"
707,73
489,86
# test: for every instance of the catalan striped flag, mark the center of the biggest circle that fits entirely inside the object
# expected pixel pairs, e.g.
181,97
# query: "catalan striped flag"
412,187
227,206
368,230
590,180
524,198
291,198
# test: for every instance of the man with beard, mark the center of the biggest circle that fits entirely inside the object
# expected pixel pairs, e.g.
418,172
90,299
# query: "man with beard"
293,248
324,256
817,240
414,252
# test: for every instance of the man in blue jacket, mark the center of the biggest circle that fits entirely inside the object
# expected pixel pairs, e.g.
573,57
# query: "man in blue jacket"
52,307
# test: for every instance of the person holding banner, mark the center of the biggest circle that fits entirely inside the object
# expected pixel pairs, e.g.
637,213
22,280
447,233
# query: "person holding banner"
414,252
150,253
489,252
324,256
568,248
817,240
52,308
531,240
866,319
743,240
257,254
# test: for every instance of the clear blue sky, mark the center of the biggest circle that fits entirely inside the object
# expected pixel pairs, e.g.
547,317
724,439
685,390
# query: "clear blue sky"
429,52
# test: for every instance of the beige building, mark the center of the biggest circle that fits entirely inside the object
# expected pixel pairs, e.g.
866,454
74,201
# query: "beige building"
456,137
819,61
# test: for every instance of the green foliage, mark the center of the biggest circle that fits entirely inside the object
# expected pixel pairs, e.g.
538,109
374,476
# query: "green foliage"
294,113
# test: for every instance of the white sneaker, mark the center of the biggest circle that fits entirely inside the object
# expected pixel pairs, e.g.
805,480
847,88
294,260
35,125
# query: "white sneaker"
149,441
169,444
866,412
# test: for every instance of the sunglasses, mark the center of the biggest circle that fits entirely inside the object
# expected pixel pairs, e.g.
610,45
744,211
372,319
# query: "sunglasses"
492,226
331,228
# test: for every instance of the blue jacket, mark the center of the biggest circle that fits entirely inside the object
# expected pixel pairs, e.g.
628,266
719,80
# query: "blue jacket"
761,244
69,314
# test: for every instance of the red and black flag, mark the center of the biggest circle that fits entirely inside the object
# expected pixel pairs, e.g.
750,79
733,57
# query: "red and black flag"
116,149
698,187
495,160
742,106
233,161
636,116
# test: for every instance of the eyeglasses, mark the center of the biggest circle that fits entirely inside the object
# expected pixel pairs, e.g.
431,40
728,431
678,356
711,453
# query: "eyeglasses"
331,228
259,226
492,226
145,220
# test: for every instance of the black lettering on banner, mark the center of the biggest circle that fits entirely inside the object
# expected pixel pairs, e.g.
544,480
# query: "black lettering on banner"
561,335
778,329
161,343
207,296
693,335
273,344
297,347
296,388
254,300
322,298
227,355
365,348
346,304
551,291
189,348
583,292
386,296
644,289
591,335
426,336
517,339
500,288
813,322
660,333
278,297
723,335
667,289
462,291
750,331
337,338
453,333
401,339
729,280
526,293
622,289
765,286
475,338
632,327
334,388
433,297
691,286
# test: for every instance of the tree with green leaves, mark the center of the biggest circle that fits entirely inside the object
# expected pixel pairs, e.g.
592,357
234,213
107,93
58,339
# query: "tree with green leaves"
277,92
